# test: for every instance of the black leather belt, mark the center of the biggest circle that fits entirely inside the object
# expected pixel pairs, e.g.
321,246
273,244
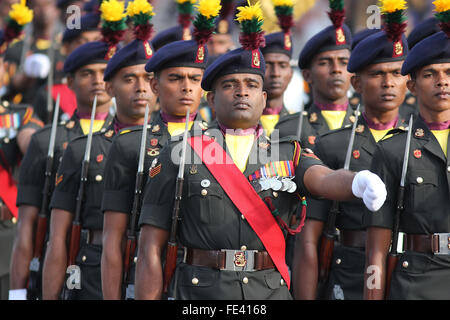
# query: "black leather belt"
353,238
230,260
436,243
91,236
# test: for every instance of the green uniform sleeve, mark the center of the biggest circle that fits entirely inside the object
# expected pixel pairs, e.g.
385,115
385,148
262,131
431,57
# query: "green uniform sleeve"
31,176
318,209
67,180
307,160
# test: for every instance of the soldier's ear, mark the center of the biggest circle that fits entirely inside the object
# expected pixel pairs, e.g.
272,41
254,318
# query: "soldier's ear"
70,81
210,98
264,98
356,83
411,84
109,88
154,85
306,73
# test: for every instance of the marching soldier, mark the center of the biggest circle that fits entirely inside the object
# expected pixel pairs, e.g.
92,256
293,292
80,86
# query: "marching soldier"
416,170
85,70
234,246
277,55
323,62
69,207
379,81
177,85
17,125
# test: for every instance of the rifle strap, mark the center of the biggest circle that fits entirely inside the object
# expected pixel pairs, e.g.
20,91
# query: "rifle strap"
245,198
8,191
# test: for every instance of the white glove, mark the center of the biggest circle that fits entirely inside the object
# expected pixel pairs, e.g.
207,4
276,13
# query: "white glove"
370,188
37,66
18,294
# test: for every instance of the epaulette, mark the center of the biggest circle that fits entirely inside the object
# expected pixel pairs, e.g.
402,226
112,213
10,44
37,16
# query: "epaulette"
133,129
291,116
344,128
394,132
289,138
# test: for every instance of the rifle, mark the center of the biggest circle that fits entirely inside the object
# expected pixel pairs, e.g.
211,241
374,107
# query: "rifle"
329,232
393,254
76,224
300,122
41,229
293,221
137,201
172,246
51,57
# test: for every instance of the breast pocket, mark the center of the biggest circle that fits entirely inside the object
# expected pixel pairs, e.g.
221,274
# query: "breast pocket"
423,185
206,202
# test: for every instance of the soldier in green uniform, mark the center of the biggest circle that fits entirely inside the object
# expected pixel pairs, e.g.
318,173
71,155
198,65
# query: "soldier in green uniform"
177,85
85,77
234,248
423,269
131,88
17,125
323,61
379,81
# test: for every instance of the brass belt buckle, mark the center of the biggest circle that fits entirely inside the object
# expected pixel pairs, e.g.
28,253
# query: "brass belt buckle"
239,260
443,242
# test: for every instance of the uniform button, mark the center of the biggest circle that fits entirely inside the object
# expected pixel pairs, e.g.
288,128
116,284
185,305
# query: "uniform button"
194,281
135,259
282,282
204,192
448,169
419,179
83,258
98,178
405,264
14,220
338,261
275,194
242,217
6,140
245,280
243,248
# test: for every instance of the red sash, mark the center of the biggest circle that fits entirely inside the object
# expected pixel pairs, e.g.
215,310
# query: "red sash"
67,99
8,191
245,198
